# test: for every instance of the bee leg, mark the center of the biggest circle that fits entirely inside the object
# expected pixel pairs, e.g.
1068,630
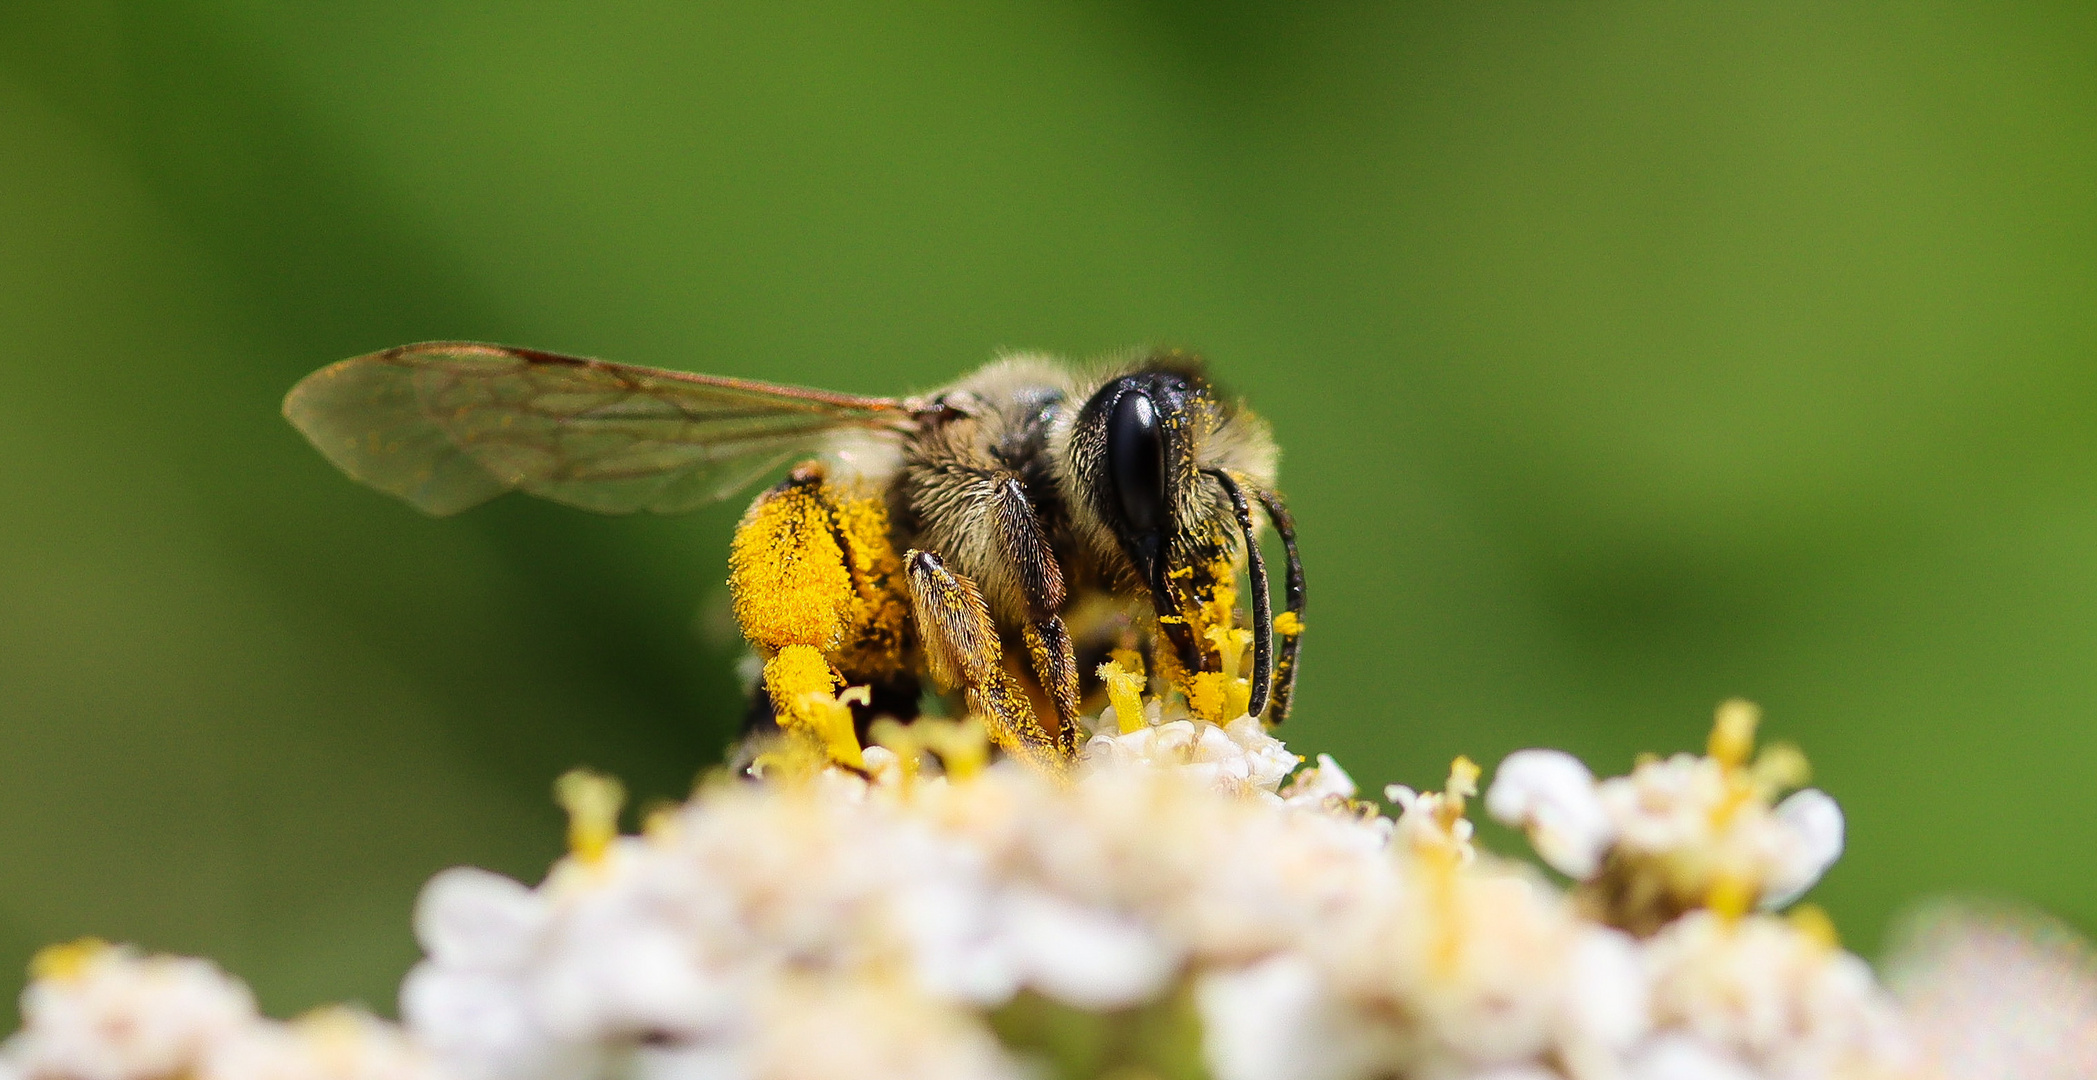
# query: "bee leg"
1055,661
1049,646
792,591
1288,626
963,649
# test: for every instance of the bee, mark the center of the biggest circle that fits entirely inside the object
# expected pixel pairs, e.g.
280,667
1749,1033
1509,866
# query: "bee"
989,535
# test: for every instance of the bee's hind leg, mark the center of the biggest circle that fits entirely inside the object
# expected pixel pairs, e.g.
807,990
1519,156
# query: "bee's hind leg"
963,649
815,586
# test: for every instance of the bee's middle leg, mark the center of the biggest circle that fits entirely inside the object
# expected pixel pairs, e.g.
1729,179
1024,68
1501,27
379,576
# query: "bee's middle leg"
963,649
1040,578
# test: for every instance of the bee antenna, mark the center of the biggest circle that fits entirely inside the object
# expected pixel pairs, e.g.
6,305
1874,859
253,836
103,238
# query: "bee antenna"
1262,606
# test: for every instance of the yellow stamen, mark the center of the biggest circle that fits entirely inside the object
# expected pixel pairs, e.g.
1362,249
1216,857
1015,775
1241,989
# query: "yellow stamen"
336,1033
901,740
1731,895
1733,732
67,961
789,758
801,682
827,719
1125,691
1230,645
1447,857
963,745
659,821
1780,767
592,801
1812,922
1463,784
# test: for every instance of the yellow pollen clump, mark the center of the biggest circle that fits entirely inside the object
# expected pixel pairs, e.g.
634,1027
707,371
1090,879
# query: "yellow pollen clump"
1209,595
592,801
803,688
1288,623
787,578
1125,691
798,670
878,609
1217,697
1223,596
66,961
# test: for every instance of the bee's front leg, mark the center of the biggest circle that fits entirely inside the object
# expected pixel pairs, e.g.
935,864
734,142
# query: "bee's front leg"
963,649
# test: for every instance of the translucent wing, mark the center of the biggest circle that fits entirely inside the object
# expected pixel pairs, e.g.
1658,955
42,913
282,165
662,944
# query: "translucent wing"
447,425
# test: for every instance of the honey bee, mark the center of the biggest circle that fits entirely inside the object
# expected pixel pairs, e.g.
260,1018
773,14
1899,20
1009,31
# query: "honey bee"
989,535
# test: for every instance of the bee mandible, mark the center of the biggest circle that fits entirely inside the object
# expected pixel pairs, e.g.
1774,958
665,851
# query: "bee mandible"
990,535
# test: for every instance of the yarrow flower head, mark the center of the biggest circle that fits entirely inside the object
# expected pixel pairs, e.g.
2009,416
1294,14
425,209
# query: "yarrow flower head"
1679,833
94,1011
1189,899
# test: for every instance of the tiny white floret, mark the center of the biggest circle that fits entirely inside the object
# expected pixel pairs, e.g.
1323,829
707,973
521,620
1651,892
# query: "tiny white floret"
1551,796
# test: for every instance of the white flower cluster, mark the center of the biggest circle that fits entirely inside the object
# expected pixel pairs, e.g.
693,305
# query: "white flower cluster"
1993,990
1687,830
1176,906
99,1012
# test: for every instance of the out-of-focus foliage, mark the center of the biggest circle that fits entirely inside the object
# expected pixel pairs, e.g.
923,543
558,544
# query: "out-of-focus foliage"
1627,357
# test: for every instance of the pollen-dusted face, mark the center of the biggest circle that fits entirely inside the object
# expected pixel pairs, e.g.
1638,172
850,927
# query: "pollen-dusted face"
1157,470
1131,452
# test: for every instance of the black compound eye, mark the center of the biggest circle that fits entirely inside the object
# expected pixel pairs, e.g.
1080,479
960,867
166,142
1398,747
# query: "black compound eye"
1136,462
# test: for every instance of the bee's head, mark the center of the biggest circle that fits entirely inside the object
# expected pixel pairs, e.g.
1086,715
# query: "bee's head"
1158,470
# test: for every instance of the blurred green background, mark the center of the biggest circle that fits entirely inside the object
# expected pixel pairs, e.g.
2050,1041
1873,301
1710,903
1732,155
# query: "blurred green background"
1627,357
